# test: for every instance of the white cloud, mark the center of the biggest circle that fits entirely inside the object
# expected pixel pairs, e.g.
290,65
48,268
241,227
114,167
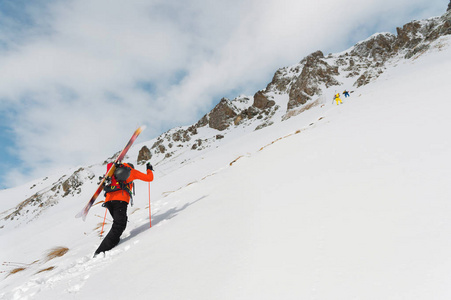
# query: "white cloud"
87,68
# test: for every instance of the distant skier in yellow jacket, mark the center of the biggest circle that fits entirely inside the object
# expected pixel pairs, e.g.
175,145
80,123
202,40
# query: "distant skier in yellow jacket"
337,98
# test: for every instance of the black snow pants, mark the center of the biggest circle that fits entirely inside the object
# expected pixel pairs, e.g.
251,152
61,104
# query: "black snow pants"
118,210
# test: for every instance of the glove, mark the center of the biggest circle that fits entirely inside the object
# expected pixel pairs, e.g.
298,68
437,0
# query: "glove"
149,166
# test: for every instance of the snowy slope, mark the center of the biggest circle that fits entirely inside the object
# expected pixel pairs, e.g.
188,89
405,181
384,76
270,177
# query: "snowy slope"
339,202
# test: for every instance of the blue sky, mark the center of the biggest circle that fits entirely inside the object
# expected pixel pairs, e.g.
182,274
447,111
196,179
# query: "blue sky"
67,68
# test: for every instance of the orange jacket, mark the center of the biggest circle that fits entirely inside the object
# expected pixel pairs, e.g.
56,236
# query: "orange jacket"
122,195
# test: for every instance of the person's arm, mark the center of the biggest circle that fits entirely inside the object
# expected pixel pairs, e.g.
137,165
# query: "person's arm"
135,174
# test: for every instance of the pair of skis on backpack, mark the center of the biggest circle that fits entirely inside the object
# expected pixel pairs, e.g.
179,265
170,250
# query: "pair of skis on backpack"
116,165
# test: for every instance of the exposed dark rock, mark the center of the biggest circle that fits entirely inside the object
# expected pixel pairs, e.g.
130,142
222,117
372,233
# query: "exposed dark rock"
33,206
35,200
377,48
263,125
193,130
202,122
238,119
144,155
158,146
251,112
183,135
416,50
443,29
279,82
220,117
408,35
364,79
260,100
73,184
197,144
315,71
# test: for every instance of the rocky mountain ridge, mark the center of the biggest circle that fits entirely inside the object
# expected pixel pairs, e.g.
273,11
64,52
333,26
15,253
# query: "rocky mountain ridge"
305,83
291,91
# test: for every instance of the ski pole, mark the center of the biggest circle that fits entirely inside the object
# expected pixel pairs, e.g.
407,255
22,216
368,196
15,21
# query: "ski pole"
104,218
150,216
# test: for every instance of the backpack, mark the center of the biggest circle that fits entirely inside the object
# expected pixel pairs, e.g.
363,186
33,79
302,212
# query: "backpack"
118,180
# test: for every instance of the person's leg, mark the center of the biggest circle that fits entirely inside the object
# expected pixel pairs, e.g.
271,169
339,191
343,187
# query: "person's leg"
118,210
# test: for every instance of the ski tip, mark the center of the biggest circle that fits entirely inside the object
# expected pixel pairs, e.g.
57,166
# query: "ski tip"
81,215
139,130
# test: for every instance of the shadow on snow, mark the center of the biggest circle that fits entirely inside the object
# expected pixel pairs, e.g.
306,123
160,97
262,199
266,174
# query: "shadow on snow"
158,218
